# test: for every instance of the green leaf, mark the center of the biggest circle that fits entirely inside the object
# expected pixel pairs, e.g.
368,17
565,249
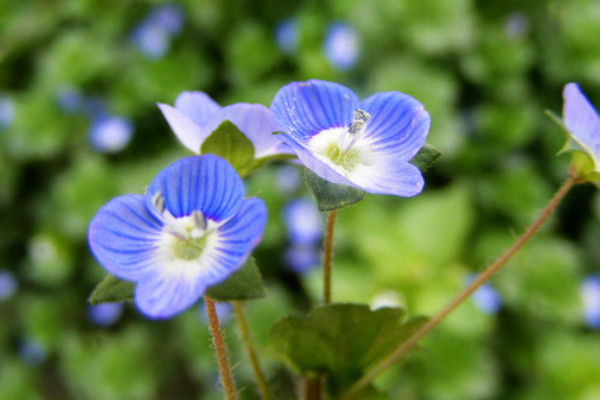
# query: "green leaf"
331,196
340,340
229,143
426,157
112,290
245,284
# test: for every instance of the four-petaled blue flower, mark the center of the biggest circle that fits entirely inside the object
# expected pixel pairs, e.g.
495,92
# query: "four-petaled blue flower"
582,122
366,144
191,230
195,116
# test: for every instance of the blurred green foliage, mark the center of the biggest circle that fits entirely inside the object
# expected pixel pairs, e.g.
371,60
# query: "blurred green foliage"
484,70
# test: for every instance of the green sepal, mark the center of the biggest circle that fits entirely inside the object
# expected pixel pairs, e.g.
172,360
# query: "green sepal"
228,142
331,196
340,341
245,284
583,165
112,290
426,157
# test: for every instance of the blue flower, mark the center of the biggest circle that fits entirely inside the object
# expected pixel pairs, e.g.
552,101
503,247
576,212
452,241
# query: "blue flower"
286,36
195,116
191,229
109,133
303,222
582,122
105,314
301,258
367,144
7,111
486,298
8,285
590,295
342,45
153,35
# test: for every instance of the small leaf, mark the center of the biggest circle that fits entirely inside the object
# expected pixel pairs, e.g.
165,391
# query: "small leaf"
426,157
340,340
331,196
245,284
229,143
112,290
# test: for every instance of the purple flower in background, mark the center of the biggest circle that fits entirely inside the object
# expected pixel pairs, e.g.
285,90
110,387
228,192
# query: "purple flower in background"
152,37
342,45
582,122
223,311
286,36
303,222
195,116
486,298
7,111
366,144
109,133
590,296
190,230
301,258
8,285
70,100
105,314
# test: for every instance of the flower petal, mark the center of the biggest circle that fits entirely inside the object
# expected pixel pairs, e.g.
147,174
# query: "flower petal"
197,106
205,183
581,119
124,236
310,161
254,121
398,124
188,133
384,174
241,234
304,109
165,294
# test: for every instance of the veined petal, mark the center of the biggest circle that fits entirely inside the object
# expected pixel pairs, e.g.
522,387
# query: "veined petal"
205,183
316,165
124,236
186,130
304,109
254,121
242,233
581,119
197,106
384,174
398,124
170,291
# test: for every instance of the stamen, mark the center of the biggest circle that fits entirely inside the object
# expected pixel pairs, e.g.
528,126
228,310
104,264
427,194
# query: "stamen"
357,127
199,225
158,201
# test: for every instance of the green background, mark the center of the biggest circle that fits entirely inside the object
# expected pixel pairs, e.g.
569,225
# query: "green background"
485,81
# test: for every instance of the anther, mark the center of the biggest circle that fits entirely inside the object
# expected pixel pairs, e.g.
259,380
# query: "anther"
158,201
359,122
199,220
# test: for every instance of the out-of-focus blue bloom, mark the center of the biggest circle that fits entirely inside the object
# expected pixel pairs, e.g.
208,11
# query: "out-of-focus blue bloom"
8,285
486,298
167,17
105,314
7,111
342,45
301,258
516,25
582,122
153,35
303,222
223,311
288,178
195,116
190,230
110,134
286,36
70,100
590,295
32,352
365,144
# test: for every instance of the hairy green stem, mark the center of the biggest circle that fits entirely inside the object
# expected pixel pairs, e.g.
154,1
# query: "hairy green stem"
411,342
220,350
258,375
327,256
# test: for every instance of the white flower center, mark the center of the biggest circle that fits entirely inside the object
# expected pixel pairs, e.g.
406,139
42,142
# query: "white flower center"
341,147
